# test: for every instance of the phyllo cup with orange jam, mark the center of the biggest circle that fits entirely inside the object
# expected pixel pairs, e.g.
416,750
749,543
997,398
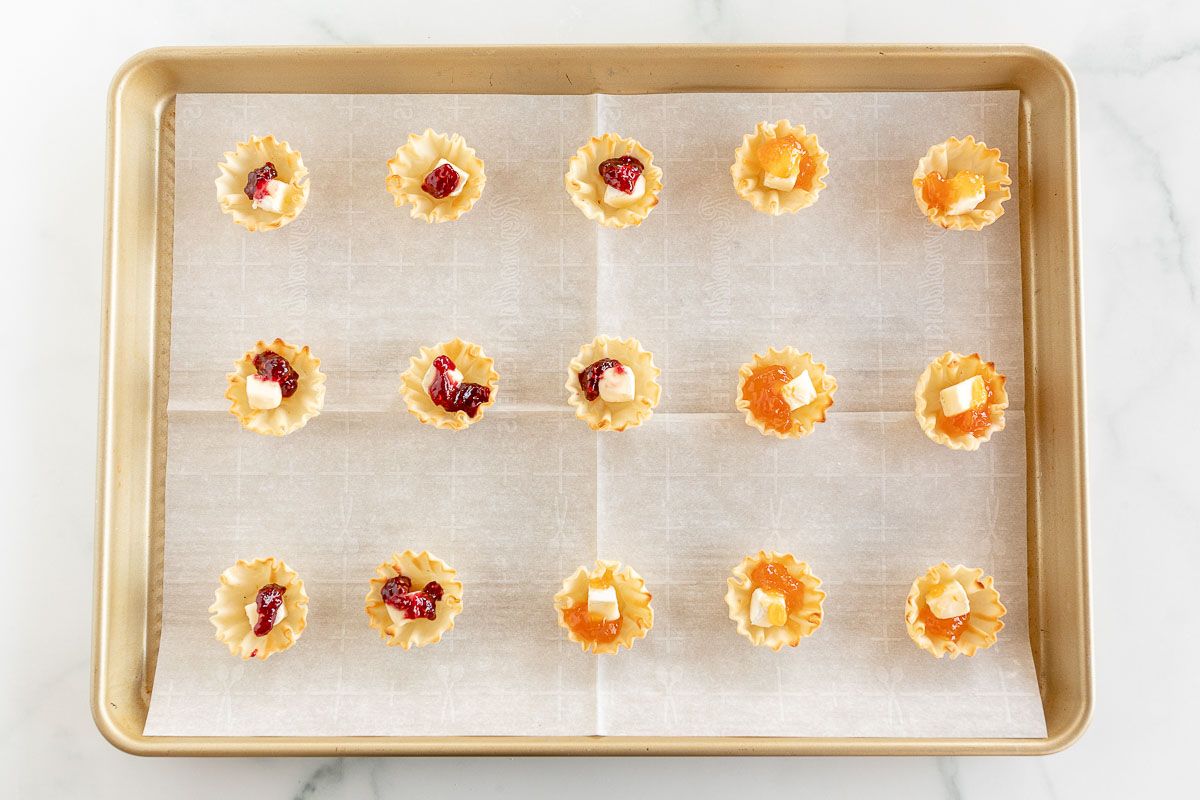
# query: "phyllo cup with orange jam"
960,400
962,184
784,393
604,608
774,599
953,611
779,168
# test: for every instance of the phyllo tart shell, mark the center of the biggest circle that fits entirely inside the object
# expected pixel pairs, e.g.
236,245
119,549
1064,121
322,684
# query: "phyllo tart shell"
248,156
801,622
637,617
804,418
586,187
747,172
983,624
239,588
421,568
416,158
293,412
475,367
957,155
946,370
599,414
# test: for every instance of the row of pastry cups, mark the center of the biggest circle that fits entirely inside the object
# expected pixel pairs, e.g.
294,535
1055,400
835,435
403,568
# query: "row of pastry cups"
948,372
423,153
240,584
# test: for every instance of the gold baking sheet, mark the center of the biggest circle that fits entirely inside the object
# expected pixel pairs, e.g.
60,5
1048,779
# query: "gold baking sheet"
136,343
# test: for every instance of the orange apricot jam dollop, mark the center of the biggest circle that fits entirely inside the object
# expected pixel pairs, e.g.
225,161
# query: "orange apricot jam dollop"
588,626
763,390
950,628
941,193
783,156
772,577
975,421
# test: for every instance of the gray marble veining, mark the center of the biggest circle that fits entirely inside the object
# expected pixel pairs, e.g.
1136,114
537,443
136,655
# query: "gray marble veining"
1137,67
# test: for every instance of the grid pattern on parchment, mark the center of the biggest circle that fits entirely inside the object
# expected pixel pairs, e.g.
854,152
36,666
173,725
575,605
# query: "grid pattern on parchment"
523,497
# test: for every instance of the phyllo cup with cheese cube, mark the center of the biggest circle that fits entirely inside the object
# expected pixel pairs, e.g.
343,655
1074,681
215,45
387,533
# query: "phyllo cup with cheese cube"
753,181
599,414
588,190
583,605
410,170
236,597
801,615
472,366
982,623
939,385
804,412
421,569
289,188
976,184
289,413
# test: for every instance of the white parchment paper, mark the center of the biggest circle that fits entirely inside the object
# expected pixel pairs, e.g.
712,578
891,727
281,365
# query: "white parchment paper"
522,498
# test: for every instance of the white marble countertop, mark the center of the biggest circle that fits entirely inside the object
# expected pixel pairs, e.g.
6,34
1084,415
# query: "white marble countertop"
1142,278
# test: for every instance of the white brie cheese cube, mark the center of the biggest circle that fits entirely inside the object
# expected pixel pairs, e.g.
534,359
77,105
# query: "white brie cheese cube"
454,376
395,615
252,614
462,177
618,199
963,396
273,201
617,384
785,184
947,600
602,603
767,609
263,393
799,391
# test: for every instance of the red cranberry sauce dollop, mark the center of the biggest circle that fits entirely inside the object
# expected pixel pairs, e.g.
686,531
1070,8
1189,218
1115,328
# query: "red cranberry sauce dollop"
453,396
257,180
394,587
441,182
267,603
621,173
589,379
397,593
275,367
